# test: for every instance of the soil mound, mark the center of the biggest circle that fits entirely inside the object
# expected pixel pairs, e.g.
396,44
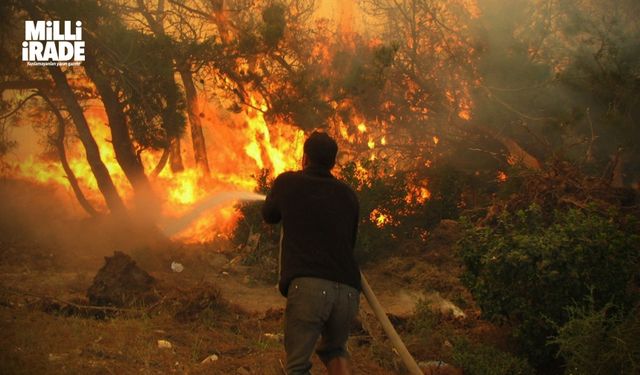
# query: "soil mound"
120,282
201,301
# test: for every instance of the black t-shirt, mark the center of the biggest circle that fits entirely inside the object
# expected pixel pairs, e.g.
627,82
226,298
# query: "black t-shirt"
319,214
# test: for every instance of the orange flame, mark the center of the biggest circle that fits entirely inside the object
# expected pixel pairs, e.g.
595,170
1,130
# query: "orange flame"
379,219
239,146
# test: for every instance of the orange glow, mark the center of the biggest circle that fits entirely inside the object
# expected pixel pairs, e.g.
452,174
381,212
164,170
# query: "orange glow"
379,219
239,146
465,115
502,177
417,194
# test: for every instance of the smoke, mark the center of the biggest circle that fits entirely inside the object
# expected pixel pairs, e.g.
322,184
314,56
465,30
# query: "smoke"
41,226
173,227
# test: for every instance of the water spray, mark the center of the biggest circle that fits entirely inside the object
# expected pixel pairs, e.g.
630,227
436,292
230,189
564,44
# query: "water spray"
215,200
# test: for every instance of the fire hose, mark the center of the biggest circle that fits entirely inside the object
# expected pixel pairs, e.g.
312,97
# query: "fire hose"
391,333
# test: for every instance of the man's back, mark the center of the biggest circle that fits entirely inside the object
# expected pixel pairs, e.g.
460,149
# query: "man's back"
320,219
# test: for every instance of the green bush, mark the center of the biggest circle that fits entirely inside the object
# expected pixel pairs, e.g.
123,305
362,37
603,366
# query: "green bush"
487,360
446,185
429,330
601,341
393,193
530,265
380,190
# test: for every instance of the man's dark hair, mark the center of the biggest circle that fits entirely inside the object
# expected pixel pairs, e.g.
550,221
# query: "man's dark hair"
321,150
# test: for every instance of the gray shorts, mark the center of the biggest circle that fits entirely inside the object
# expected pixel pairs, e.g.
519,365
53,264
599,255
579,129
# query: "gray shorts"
317,308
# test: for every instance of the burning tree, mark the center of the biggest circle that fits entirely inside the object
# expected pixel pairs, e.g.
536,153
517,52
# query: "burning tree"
424,88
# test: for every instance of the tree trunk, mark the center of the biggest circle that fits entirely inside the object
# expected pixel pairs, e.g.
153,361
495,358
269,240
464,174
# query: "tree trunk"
515,150
175,157
58,142
122,144
184,69
199,148
103,179
197,136
162,162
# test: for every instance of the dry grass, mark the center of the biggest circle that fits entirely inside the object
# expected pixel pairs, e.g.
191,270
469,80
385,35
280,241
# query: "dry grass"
193,315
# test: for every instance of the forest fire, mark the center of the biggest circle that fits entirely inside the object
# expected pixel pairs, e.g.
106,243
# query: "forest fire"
249,146
488,183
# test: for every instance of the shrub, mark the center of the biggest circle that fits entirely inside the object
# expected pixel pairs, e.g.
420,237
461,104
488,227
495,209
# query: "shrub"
396,194
528,267
381,191
429,330
601,341
487,360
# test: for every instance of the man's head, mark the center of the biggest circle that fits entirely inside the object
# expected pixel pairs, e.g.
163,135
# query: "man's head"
320,151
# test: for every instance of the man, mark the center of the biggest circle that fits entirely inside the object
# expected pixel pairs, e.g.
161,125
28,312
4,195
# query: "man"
318,272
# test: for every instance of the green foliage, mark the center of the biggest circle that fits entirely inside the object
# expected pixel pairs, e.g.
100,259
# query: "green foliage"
391,193
303,103
446,185
572,84
529,266
381,191
361,76
426,326
487,360
424,321
141,68
274,24
600,341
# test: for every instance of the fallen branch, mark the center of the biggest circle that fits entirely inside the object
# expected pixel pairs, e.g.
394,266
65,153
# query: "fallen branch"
20,292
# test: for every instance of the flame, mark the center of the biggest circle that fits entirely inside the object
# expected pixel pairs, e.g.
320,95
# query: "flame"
417,195
502,177
465,114
238,146
380,219
242,144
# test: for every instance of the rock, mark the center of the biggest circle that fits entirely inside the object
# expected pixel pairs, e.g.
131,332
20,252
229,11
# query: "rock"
210,359
57,357
177,267
164,344
120,282
274,336
439,368
443,306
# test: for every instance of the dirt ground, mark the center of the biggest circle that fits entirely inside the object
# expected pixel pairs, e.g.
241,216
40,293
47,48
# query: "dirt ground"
214,307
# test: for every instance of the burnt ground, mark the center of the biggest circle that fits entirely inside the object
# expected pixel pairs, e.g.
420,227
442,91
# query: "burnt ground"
215,305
